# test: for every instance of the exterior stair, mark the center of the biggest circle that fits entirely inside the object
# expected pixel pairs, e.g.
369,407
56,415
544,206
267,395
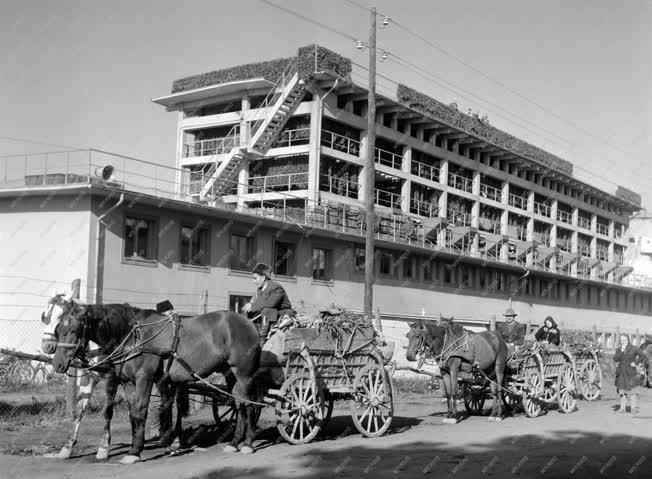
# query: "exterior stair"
220,178
286,104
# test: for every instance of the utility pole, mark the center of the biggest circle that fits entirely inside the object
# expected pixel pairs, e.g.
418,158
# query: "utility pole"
370,178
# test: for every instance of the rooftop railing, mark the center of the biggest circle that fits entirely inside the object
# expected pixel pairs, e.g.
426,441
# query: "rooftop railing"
491,193
59,170
429,172
460,182
340,143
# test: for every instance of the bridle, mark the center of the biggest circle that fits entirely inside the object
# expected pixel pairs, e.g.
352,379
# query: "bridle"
423,348
81,345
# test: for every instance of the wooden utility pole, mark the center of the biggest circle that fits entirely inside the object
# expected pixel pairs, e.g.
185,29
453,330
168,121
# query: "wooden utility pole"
370,178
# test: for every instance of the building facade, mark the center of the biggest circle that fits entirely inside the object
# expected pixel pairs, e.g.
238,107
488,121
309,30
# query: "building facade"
270,167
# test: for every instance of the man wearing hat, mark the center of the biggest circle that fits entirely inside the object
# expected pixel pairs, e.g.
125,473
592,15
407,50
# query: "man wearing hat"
270,301
511,330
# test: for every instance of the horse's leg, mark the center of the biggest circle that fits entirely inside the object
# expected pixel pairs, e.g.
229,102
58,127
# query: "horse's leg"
244,430
112,382
454,366
138,397
501,361
85,386
166,430
181,395
447,388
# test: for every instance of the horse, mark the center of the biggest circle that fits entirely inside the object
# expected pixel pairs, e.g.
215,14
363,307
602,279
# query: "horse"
61,304
455,350
144,347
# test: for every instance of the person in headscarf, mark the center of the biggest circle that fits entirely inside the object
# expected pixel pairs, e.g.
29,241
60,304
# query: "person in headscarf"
628,379
548,332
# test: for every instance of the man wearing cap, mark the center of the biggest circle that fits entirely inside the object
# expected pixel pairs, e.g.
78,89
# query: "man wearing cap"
511,330
270,300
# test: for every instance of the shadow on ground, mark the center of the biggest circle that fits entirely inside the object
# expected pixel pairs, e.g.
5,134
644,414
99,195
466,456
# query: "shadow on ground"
571,454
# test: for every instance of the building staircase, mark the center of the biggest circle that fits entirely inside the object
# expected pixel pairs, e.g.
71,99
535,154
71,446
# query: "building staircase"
277,109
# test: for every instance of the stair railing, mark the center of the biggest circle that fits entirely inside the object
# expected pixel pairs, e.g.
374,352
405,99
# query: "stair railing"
234,133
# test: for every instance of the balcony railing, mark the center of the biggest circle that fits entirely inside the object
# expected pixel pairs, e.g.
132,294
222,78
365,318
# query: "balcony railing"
338,186
214,146
387,158
584,223
564,217
385,198
542,209
300,136
603,229
602,254
424,208
584,251
491,226
273,183
541,238
459,218
518,201
428,172
491,193
460,182
340,143
68,169
521,234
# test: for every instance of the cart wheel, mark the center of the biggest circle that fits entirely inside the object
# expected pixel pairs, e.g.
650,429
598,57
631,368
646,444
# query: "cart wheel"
550,392
372,407
532,393
474,398
590,380
566,397
22,373
224,412
301,410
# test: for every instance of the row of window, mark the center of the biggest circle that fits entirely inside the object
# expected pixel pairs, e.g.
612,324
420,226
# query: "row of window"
194,246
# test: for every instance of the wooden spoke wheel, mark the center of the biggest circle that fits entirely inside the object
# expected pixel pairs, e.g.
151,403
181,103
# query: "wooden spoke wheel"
566,389
474,398
590,380
372,407
511,401
224,413
550,392
300,411
532,392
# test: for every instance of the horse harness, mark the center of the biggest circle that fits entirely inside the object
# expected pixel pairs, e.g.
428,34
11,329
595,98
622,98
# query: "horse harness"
447,351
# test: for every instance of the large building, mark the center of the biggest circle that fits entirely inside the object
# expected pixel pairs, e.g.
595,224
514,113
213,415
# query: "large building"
271,161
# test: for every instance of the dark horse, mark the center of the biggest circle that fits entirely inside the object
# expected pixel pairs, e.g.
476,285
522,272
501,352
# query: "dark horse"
456,349
140,343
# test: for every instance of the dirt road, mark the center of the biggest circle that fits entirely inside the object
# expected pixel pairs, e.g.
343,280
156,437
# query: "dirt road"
592,442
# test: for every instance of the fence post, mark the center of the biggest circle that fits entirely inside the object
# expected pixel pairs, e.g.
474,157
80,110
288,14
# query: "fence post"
616,336
638,337
205,302
71,379
492,324
528,326
378,324
594,334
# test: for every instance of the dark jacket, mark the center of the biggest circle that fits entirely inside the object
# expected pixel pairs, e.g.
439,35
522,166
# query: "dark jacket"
512,332
273,296
548,334
626,376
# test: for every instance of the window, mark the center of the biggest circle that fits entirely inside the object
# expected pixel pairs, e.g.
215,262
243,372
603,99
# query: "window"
236,302
427,270
194,249
408,267
284,254
241,252
321,259
359,258
448,273
139,238
386,262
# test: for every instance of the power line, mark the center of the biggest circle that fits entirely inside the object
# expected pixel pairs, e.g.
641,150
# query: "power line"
35,142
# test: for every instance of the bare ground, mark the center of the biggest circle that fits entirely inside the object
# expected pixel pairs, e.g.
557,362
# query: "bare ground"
593,441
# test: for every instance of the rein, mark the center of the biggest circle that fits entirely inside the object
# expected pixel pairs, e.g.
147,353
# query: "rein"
454,345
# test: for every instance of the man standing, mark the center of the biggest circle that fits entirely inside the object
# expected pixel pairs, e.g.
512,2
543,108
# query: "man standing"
270,301
511,330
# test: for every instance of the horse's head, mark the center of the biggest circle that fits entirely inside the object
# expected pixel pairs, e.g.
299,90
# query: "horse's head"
416,341
73,337
58,305
429,336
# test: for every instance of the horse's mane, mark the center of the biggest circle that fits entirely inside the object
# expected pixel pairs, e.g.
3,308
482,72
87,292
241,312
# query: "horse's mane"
115,319
454,329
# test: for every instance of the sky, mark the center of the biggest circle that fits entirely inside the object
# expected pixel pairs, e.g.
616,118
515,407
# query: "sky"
571,76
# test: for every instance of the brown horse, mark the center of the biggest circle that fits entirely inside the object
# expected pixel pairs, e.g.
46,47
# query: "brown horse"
455,350
145,347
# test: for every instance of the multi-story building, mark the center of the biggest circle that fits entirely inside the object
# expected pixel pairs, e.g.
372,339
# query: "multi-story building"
270,166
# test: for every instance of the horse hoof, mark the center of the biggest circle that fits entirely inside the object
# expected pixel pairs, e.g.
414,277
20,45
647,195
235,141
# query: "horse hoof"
175,446
102,454
230,448
491,418
64,453
130,459
498,419
247,450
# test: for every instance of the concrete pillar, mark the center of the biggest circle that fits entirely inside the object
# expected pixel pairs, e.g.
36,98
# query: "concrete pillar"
504,222
553,210
315,149
505,196
575,216
553,242
393,123
529,231
574,244
243,183
594,223
244,124
593,245
420,132
530,202
443,172
180,148
612,228
475,185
